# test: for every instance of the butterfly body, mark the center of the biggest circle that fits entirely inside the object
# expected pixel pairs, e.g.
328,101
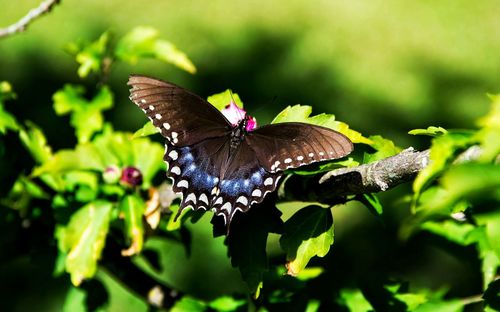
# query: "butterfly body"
224,166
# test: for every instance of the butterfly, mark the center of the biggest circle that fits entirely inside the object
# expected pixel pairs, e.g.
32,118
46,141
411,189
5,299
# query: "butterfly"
222,165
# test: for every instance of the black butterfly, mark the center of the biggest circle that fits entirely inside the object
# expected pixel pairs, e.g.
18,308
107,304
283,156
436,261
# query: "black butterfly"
214,164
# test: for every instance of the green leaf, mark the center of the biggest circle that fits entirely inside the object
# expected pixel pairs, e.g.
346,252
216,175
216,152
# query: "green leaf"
247,242
7,120
489,134
312,305
226,303
91,56
491,223
75,300
133,207
300,113
220,100
86,116
460,185
441,306
83,239
384,148
144,42
188,304
354,300
443,150
308,233
84,157
430,131
451,230
373,204
309,273
148,157
146,130
35,142
412,301
324,167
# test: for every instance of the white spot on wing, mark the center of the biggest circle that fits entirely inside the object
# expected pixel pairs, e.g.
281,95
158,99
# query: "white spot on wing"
166,125
158,116
321,154
227,206
300,158
218,201
288,160
311,155
268,181
183,184
174,135
173,154
243,200
143,101
191,197
176,170
256,193
203,198
151,107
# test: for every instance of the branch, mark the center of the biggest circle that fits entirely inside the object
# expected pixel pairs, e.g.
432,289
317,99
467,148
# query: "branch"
368,178
21,25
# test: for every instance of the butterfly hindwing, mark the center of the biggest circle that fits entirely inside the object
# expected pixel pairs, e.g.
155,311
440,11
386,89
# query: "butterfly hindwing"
182,117
243,182
291,145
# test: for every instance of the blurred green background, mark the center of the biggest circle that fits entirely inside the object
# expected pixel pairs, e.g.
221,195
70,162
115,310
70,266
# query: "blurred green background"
383,67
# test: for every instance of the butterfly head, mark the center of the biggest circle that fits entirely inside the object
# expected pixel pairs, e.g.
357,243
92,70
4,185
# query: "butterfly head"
238,117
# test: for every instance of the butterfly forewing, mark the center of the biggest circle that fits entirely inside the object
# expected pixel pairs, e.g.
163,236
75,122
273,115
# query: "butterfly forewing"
291,145
182,117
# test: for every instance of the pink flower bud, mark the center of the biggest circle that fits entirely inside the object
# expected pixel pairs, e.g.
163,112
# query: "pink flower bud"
131,176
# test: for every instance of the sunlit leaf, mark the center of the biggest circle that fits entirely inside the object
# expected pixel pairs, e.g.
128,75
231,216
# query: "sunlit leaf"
35,142
300,113
412,301
84,157
226,303
324,167
132,207
308,233
7,120
86,116
354,300
373,204
442,151
430,131
220,100
441,306
451,230
83,239
384,148
188,304
309,273
148,157
489,134
491,223
90,55
312,306
146,130
144,42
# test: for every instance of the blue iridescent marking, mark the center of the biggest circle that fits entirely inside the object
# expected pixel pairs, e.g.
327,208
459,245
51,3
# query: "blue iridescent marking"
256,178
186,157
